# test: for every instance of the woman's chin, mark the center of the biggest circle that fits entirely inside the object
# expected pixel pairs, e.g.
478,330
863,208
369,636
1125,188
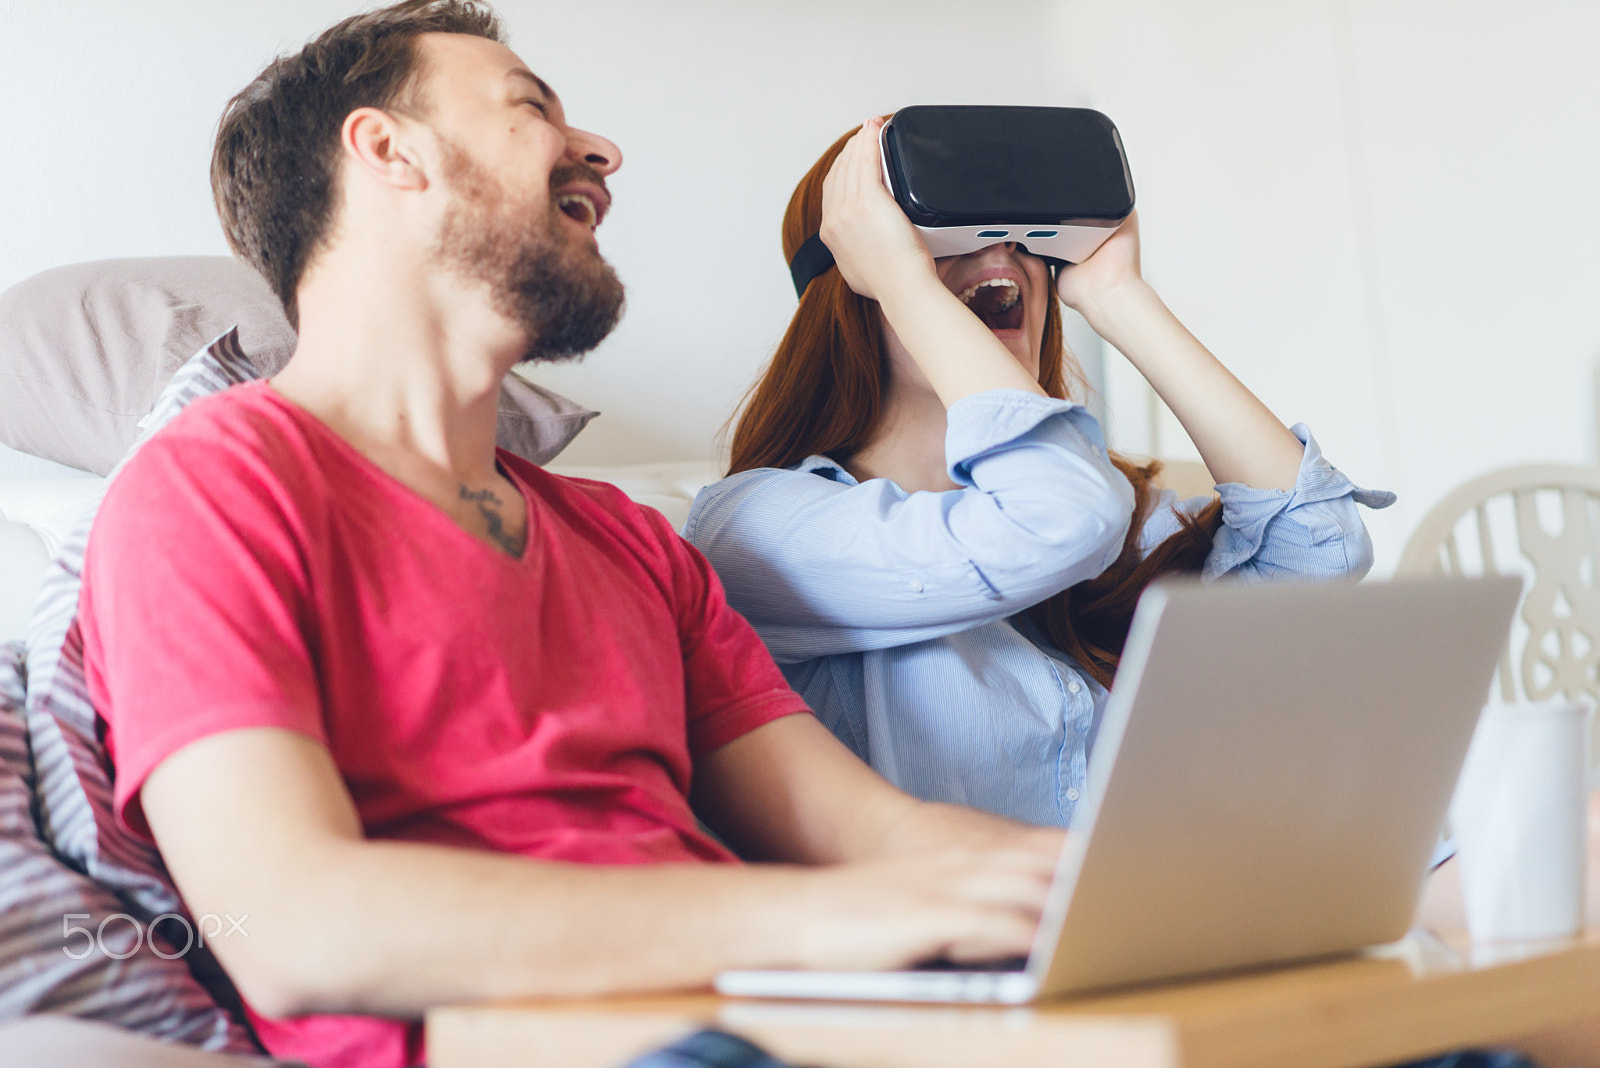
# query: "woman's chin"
1017,343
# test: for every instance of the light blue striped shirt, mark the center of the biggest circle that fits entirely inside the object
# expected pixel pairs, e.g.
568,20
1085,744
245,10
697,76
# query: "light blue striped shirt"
894,614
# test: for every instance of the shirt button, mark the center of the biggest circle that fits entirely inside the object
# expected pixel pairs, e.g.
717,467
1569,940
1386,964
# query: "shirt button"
916,585
1072,793
1072,686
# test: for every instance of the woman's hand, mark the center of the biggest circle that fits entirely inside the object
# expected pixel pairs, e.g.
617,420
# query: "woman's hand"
882,257
1097,281
1239,439
872,241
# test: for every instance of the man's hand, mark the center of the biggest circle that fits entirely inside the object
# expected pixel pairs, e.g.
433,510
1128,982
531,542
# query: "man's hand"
907,880
962,906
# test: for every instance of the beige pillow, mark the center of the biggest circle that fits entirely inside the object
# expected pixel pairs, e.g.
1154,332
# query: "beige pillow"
85,350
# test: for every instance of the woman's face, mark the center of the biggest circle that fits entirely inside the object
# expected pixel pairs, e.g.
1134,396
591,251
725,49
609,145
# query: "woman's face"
1006,288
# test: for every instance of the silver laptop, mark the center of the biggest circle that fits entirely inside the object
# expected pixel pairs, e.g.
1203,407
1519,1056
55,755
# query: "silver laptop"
1268,785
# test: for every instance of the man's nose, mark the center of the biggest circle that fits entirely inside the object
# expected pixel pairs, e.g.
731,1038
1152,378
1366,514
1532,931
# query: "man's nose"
594,150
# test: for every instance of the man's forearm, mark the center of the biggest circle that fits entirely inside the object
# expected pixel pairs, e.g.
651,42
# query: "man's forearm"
931,826
790,791
391,928
339,923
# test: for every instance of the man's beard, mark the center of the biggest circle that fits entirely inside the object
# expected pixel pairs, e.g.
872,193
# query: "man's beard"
554,286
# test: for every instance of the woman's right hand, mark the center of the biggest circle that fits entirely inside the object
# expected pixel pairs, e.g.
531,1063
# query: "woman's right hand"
872,241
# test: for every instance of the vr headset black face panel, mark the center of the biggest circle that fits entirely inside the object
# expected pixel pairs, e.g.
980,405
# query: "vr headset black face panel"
964,165
1055,180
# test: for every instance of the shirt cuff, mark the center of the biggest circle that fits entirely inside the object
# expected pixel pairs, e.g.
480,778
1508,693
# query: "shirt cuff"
1247,512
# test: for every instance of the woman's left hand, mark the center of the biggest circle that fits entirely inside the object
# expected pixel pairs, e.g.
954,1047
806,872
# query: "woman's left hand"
1239,439
1112,269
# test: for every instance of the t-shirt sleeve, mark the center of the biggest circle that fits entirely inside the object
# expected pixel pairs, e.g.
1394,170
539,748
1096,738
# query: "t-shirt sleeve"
194,606
732,685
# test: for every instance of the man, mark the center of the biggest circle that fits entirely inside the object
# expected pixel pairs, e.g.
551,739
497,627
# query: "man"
432,718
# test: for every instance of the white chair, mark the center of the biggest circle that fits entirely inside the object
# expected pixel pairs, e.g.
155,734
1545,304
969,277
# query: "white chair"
1542,522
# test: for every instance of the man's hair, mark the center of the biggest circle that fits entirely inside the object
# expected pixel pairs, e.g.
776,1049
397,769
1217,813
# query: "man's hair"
275,165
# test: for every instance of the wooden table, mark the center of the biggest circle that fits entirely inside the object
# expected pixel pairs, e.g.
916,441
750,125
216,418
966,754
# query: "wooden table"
1425,995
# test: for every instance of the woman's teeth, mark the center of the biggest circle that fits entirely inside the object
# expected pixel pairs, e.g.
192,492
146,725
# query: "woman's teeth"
1012,293
997,302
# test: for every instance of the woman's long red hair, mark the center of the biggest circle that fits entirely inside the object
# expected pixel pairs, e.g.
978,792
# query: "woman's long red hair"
823,392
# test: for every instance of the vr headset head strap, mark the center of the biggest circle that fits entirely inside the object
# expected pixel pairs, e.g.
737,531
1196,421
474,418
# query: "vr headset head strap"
810,260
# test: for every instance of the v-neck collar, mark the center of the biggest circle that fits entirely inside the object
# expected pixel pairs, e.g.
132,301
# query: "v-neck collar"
387,483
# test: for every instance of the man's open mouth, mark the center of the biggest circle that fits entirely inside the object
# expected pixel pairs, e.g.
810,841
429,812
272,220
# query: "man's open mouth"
579,206
997,301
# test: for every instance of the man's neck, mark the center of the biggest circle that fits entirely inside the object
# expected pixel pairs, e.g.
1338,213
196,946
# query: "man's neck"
413,376
408,371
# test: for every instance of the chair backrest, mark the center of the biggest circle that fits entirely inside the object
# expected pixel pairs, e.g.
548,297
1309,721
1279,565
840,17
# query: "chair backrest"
1542,522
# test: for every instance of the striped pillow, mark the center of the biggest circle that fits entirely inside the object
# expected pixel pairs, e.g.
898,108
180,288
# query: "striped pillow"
72,784
71,946
73,773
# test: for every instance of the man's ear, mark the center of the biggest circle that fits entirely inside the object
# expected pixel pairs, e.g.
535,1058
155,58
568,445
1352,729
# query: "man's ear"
380,146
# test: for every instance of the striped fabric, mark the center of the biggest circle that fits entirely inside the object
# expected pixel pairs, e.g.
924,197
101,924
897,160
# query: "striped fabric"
73,774
73,781
901,617
43,968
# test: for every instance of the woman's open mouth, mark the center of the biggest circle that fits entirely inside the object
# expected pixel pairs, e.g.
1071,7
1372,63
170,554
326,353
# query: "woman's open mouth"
996,301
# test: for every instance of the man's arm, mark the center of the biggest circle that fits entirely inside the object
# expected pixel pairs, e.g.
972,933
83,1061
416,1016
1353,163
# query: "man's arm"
258,822
790,791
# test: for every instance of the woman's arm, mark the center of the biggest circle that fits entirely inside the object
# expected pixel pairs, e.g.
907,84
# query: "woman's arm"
1312,531
821,565
882,258
1239,439
824,565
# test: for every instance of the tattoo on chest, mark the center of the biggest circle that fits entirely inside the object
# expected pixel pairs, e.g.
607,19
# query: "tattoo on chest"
490,507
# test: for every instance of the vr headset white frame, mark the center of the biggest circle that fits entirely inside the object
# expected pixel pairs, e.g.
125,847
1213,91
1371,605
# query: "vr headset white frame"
1061,240
1071,242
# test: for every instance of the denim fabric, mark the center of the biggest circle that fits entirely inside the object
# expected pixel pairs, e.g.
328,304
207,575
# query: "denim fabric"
1475,1058
710,1049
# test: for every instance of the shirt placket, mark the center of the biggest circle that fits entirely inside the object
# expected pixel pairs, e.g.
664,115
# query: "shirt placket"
1077,709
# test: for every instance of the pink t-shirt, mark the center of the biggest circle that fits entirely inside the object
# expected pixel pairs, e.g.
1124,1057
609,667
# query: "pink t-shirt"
249,568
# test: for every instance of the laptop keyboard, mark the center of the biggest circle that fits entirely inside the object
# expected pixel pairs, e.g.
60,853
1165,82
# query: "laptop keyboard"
1009,964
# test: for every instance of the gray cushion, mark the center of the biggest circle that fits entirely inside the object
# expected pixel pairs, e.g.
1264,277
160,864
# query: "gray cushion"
85,350
114,974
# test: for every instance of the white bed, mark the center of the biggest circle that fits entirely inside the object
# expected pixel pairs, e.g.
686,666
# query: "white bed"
40,501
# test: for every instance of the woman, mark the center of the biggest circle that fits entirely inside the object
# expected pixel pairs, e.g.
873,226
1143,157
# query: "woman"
932,539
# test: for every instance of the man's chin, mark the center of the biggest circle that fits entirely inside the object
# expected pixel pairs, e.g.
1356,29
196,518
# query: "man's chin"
567,329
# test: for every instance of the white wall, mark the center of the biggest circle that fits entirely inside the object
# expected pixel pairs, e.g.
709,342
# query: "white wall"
107,110
1384,215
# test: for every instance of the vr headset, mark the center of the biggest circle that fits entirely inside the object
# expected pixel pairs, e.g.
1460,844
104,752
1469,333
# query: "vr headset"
1054,180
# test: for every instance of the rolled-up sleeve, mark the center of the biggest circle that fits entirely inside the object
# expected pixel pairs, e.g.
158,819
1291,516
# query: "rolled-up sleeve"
821,564
1313,530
